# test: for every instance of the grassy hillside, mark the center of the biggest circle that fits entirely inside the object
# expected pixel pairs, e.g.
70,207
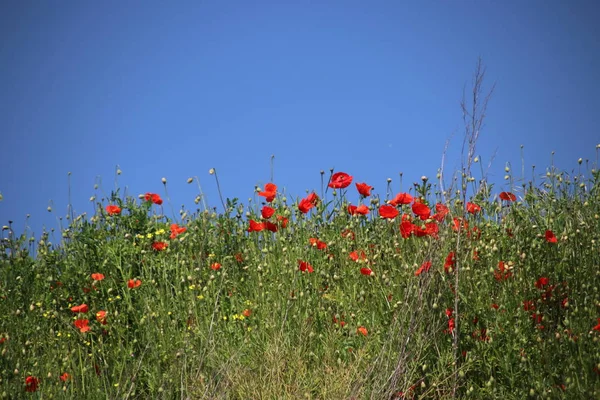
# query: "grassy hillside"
429,295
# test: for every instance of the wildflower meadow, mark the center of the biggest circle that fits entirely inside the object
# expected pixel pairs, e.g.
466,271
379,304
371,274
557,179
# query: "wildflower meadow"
342,294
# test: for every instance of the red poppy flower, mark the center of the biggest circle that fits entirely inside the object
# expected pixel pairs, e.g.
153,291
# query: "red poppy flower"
159,246
270,226
362,330
255,226
215,266
80,309
550,237
270,192
388,212
305,205
133,283
364,189
450,262
176,230
113,210
97,276
355,255
441,212
406,229
419,231
597,327
367,271
441,209
267,212
423,268
401,198
317,243
101,317
432,229
65,377
421,210
82,325
304,266
360,210
542,282
502,273
313,198
473,208
31,383
153,197
456,225
449,312
508,196
340,180
247,312
282,220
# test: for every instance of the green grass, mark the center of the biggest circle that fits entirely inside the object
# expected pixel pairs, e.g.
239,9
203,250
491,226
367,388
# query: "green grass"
259,328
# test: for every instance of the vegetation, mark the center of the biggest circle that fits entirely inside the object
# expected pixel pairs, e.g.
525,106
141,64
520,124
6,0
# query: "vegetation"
426,293
307,300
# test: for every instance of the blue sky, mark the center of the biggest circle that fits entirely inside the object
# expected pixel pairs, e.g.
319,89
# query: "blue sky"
369,88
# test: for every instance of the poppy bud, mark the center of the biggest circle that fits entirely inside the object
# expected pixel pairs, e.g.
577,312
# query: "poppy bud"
211,171
190,180
164,181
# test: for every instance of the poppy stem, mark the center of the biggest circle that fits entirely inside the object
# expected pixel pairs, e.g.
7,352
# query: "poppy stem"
272,158
219,190
202,197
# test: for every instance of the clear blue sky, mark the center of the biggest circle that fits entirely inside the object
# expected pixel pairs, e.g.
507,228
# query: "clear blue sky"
369,88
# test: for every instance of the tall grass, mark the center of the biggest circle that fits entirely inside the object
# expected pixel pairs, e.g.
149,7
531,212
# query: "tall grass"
221,312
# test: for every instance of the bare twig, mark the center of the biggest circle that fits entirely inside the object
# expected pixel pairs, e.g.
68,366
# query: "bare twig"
473,118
